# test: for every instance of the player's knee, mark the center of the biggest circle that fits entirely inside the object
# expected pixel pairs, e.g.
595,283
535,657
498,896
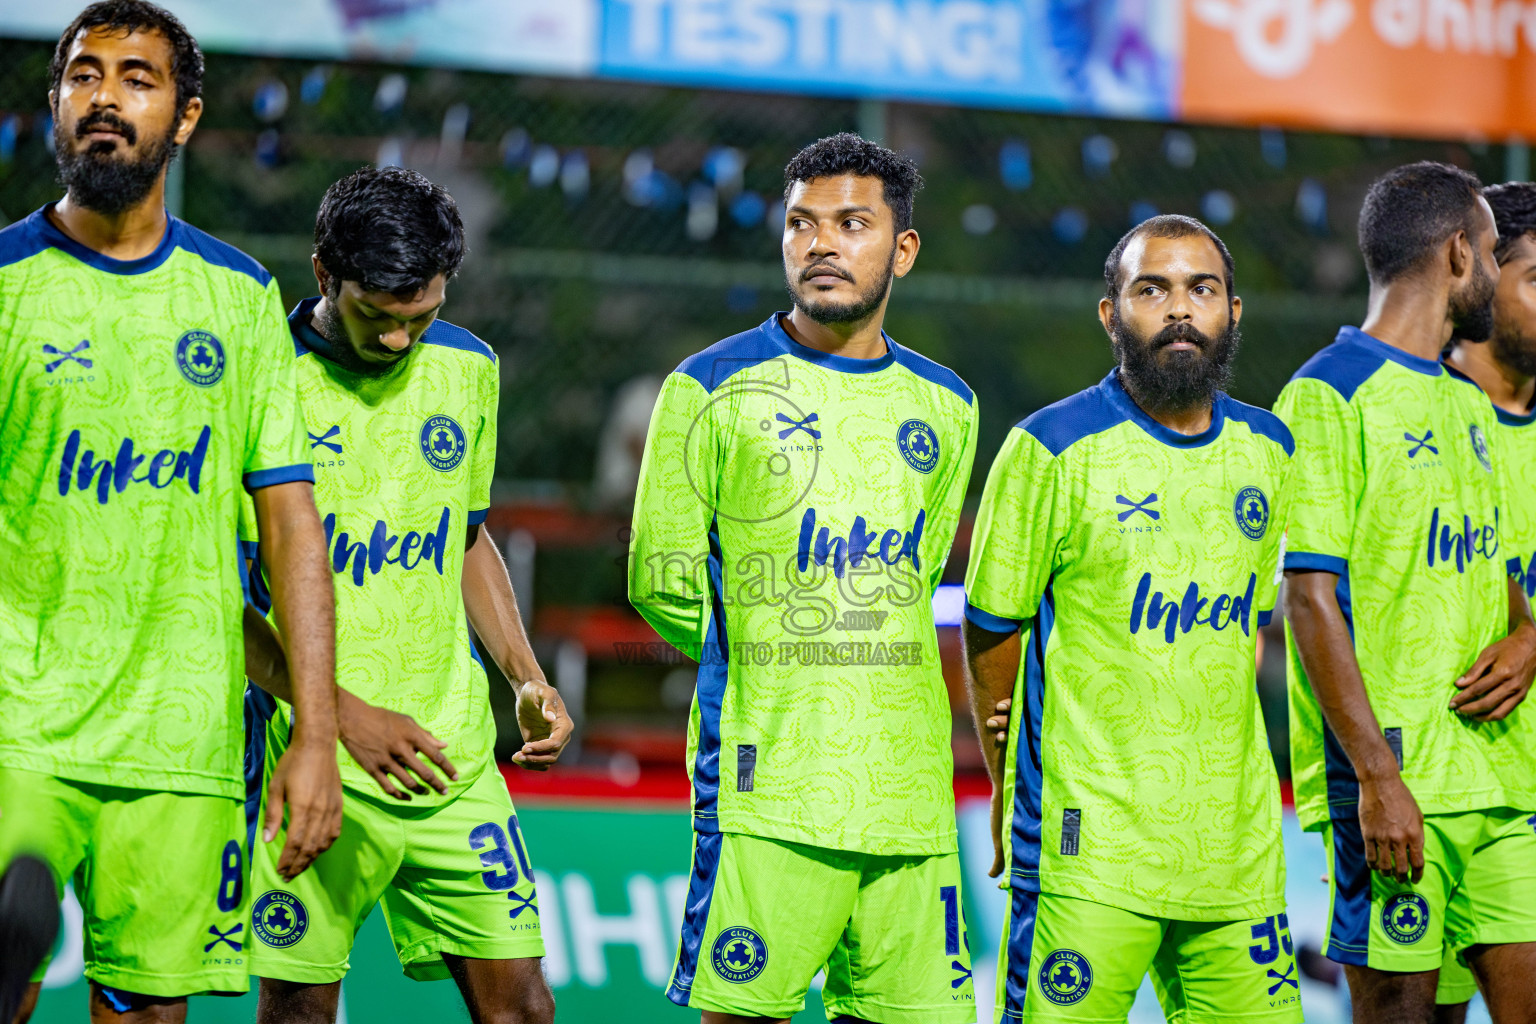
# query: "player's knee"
535,1004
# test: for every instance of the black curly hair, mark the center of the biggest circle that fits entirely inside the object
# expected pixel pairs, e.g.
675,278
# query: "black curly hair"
847,153
1410,211
389,229
129,16
1514,211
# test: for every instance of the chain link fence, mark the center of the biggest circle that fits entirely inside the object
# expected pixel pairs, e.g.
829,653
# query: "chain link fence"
615,228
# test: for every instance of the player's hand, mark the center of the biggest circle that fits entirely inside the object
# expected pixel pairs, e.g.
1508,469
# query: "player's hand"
998,723
545,723
1393,829
386,745
1500,677
308,781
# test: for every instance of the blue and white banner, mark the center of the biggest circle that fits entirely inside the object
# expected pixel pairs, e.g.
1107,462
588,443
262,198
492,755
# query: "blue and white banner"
1105,56
1108,56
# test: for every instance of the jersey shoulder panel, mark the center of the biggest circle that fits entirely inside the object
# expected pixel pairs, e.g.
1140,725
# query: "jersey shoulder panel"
1062,424
1261,422
1342,366
217,253
20,241
724,359
1354,358
448,335
933,371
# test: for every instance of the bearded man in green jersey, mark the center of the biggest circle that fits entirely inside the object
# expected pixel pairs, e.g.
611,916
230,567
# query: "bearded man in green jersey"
1505,368
147,381
798,497
1410,649
400,406
1125,555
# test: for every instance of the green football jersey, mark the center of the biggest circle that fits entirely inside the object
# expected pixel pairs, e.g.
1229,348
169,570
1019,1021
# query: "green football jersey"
1515,448
1395,492
1142,563
795,511
403,464
139,395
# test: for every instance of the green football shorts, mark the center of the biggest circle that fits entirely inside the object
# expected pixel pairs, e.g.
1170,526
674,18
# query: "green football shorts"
1456,984
454,877
160,877
1075,960
1479,872
763,916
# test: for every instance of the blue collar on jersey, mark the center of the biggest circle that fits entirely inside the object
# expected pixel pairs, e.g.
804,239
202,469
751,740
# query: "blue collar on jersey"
38,221
308,340
780,337
1515,419
1121,400
305,337
1509,419
1355,336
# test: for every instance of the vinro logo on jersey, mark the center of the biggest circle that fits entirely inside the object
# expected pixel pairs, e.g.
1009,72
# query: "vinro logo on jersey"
1139,516
328,442
57,359
200,358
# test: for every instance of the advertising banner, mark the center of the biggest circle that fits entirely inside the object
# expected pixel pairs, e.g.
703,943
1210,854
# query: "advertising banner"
611,883
1417,67
1412,67
1106,56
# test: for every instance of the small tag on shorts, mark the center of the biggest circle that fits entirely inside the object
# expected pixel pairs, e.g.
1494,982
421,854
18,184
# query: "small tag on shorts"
1394,737
746,766
1071,825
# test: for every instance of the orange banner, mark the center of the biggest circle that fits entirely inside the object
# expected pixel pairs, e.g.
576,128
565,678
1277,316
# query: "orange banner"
1446,68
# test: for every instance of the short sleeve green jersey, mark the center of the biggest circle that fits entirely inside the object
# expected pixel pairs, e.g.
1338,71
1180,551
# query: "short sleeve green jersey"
1515,453
1142,563
403,464
795,511
1395,492
138,396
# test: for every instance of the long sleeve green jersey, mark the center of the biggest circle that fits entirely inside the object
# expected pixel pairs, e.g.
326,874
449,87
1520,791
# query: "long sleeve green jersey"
794,514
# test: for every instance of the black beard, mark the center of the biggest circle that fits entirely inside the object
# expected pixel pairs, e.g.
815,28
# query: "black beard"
1472,309
339,350
1174,381
1514,351
100,180
853,311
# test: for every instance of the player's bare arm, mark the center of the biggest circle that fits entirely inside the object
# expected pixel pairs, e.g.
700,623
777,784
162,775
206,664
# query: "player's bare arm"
1391,824
992,665
306,779
492,607
384,743
1501,677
